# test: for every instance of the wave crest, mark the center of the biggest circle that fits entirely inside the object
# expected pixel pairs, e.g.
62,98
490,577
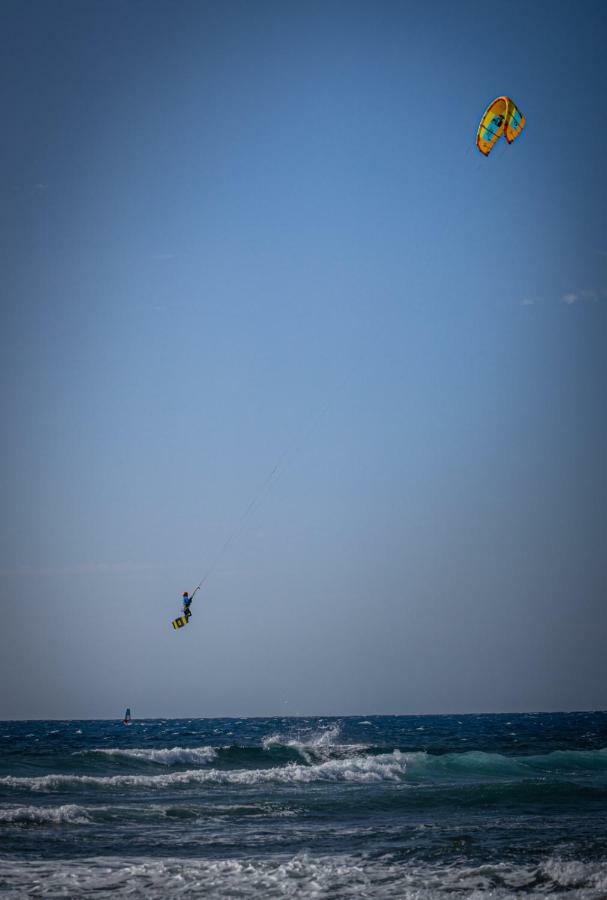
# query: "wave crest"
45,815
165,756
319,746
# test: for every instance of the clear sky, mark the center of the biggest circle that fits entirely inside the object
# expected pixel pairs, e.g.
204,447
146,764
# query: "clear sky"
238,233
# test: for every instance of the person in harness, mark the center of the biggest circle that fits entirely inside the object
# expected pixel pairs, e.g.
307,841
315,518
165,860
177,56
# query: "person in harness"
187,602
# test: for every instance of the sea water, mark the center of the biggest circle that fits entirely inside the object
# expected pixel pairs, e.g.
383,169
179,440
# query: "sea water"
383,807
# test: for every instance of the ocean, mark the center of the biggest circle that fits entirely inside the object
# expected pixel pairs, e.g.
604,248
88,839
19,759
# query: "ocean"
379,807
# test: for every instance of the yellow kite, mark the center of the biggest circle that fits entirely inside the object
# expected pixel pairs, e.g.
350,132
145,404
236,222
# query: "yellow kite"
502,117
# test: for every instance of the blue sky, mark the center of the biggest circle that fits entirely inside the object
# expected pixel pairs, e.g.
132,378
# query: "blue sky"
234,234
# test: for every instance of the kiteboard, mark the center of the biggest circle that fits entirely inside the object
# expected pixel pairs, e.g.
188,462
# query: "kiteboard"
180,622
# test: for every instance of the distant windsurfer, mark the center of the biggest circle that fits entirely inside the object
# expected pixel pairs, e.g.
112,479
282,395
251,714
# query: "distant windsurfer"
187,600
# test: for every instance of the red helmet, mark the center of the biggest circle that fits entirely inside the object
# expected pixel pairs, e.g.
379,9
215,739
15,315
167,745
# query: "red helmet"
185,593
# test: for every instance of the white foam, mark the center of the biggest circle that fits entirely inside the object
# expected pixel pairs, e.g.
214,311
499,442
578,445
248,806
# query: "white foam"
572,873
301,876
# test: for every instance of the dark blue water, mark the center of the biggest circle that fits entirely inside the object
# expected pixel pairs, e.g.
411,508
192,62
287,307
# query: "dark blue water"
382,807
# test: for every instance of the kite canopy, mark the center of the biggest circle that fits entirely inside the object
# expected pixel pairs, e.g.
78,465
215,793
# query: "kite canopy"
502,117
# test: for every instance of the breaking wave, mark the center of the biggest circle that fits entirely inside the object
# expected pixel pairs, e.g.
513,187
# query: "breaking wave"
72,814
173,756
359,769
45,815
354,766
319,746
316,747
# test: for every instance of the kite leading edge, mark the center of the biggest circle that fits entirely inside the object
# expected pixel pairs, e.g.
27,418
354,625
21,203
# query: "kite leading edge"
502,117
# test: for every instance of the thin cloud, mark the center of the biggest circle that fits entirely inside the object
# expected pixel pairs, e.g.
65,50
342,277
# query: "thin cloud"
38,187
98,568
584,295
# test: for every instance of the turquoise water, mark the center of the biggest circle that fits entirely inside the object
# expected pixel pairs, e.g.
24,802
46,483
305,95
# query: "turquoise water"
382,807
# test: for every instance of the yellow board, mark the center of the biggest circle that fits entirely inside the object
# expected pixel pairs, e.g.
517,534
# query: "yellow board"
180,622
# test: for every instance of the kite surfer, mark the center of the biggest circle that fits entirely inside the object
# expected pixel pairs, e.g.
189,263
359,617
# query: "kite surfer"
186,613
